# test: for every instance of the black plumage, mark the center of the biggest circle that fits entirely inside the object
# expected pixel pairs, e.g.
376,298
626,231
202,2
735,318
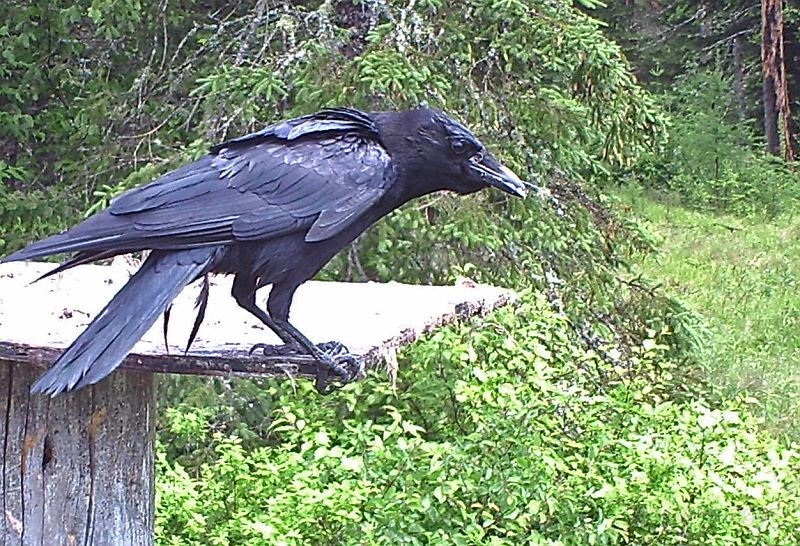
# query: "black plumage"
271,207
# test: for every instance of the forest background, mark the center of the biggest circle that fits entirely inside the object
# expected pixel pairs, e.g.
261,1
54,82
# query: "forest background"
643,390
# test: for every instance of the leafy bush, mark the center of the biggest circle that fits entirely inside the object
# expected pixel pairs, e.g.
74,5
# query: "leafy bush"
498,432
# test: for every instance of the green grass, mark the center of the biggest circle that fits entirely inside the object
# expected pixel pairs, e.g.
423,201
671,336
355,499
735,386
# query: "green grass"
743,276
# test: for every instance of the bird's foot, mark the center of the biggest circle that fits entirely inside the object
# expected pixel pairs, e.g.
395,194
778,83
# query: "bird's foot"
333,358
337,359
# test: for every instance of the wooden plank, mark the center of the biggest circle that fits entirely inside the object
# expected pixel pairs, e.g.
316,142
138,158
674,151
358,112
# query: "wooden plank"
78,469
228,362
371,319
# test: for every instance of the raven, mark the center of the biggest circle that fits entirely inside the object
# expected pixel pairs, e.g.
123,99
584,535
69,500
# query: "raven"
271,208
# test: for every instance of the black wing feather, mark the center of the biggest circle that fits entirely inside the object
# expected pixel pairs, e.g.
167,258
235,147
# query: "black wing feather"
314,174
336,120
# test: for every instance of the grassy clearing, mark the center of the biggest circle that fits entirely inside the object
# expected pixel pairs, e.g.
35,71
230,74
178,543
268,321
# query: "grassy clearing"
743,276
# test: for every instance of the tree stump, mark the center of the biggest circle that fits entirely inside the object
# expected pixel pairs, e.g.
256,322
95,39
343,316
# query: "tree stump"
77,469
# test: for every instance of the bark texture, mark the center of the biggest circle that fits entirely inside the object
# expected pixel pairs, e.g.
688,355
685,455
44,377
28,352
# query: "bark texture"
77,469
777,114
791,48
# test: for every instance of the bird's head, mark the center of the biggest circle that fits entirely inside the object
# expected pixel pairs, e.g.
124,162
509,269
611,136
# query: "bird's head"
454,159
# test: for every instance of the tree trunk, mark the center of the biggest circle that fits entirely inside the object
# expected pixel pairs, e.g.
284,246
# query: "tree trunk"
771,117
776,93
791,35
738,79
77,469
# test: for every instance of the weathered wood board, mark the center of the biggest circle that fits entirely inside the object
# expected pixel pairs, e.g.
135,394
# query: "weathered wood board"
371,319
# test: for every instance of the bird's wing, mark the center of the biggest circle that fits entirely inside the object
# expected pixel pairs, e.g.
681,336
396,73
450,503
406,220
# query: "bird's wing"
264,190
322,170
314,174
330,183
337,120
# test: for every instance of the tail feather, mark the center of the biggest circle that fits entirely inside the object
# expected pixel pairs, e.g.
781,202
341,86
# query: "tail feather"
99,233
81,258
134,309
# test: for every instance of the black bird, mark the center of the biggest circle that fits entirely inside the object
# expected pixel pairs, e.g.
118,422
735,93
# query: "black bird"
271,207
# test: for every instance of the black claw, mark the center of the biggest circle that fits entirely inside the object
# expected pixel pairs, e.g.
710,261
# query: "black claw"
321,381
256,347
335,359
333,348
273,350
341,362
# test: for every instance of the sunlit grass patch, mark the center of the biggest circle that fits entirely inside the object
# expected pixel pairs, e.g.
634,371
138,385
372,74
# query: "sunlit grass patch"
743,276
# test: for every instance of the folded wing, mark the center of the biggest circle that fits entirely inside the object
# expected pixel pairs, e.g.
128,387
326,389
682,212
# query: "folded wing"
314,175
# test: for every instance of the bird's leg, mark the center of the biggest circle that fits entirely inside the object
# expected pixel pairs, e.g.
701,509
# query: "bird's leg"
330,356
244,292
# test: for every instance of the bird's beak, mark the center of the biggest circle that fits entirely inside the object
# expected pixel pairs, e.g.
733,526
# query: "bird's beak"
494,173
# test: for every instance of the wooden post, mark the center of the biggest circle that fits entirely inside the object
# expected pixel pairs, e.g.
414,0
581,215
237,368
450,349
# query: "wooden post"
77,469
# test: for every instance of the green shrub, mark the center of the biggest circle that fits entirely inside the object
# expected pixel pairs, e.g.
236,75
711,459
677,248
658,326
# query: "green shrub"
501,431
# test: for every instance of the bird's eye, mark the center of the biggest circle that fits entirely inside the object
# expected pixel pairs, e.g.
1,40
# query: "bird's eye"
458,145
